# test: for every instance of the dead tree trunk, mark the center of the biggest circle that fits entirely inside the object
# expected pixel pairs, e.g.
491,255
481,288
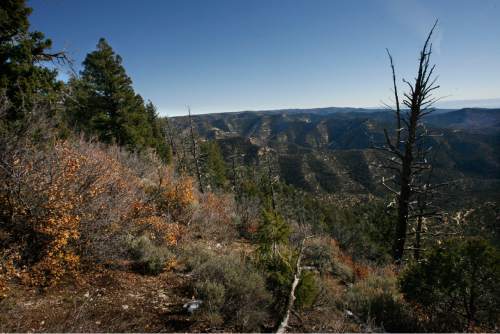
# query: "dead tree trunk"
170,137
234,174
403,163
195,153
270,175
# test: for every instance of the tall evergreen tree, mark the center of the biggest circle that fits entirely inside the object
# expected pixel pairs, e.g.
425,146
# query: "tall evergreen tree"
158,138
22,80
104,104
214,166
106,99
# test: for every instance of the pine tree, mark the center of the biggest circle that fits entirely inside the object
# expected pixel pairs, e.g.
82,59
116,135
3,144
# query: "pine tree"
158,138
22,81
104,104
106,98
214,167
273,231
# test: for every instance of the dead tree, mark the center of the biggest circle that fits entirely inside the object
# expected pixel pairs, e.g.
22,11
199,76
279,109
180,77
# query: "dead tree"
170,136
195,153
182,152
424,208
271,177
403,161
235,175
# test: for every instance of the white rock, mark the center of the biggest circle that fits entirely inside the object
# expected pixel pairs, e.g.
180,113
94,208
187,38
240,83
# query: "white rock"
192,305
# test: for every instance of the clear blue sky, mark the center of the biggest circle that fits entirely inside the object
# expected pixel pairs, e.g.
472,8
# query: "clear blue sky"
228,55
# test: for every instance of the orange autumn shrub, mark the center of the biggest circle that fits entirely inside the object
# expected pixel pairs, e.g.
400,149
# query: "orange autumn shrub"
70,205
65,205
58,222
42,211
177,199
160,229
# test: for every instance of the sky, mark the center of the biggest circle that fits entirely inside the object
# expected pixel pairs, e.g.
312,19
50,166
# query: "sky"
230,55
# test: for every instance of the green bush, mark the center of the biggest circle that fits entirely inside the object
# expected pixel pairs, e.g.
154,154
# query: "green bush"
195,254
212,293
279,276
377,300
232,288
149,258
458,284
307,290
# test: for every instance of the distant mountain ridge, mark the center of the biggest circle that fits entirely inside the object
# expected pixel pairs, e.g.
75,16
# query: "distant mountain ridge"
322,111
470,119
330,150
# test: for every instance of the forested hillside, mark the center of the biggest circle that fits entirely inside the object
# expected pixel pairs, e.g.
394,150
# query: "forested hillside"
333,150
114,219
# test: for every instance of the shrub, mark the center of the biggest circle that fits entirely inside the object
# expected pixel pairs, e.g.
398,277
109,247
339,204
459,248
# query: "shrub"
457,284
64,205
214,218
176,198
149,258
279,274
325,255
158,227
343,271
307,290
248,218
194,255
234,289
212,293
376,299
320,254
